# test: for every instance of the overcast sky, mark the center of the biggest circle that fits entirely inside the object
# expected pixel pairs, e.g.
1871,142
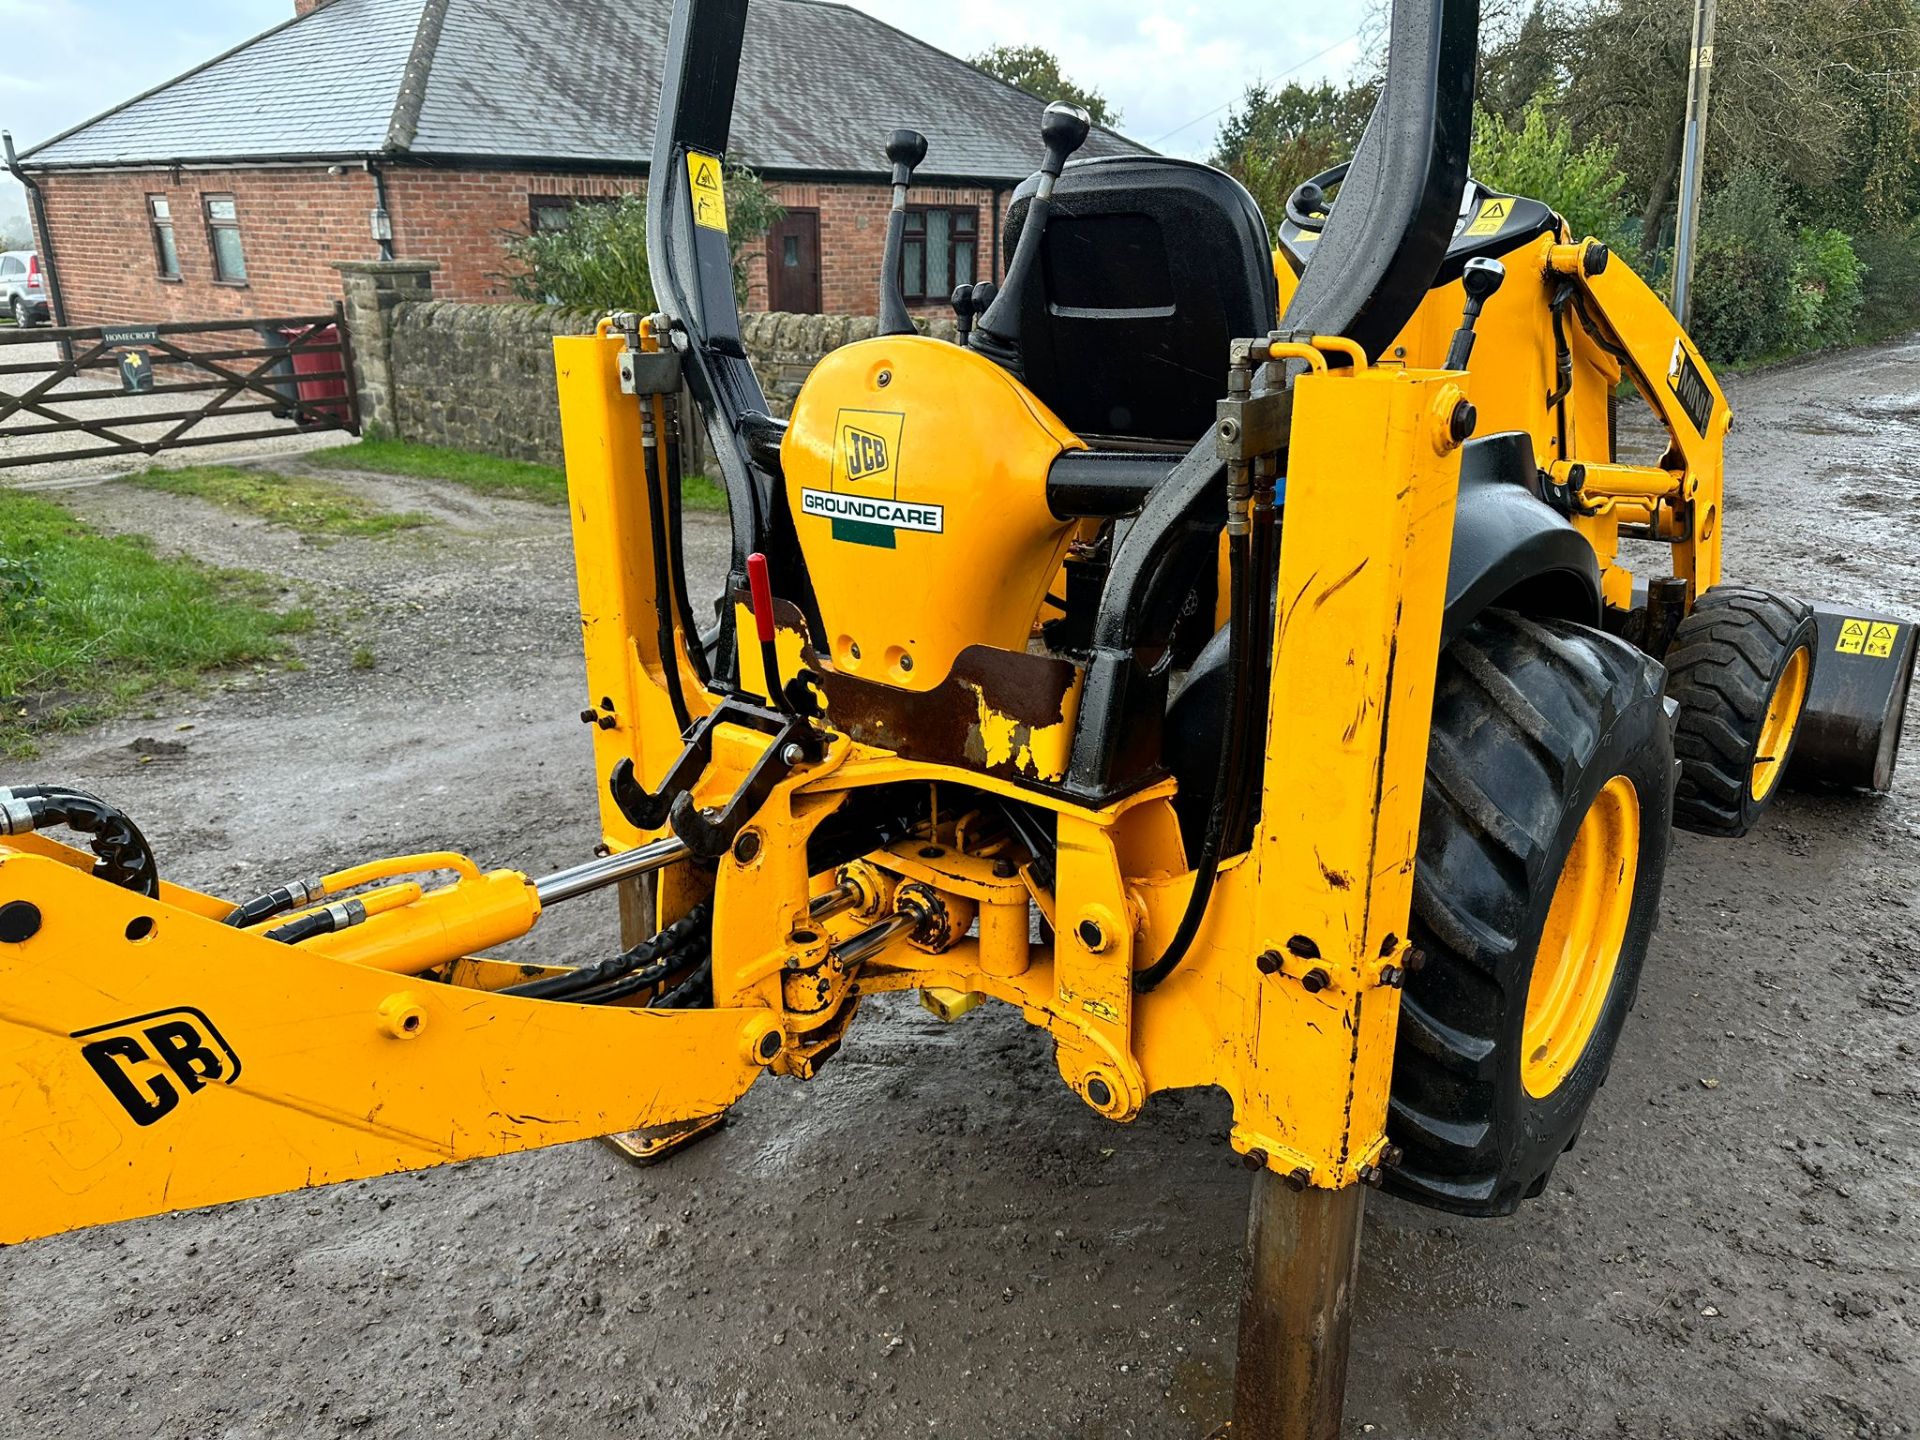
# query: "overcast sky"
1170,65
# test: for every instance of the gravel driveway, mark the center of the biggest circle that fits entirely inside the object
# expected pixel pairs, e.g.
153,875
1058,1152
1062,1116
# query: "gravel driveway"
936,1238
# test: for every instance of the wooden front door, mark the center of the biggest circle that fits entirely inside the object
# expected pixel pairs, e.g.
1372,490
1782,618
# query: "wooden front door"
793,264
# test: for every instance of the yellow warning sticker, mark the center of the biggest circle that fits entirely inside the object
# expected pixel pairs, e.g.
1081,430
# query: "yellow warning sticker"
1493,217
709,186
1874,639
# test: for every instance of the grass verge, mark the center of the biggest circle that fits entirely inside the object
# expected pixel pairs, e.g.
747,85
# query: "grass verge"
313,507
487,474
90,623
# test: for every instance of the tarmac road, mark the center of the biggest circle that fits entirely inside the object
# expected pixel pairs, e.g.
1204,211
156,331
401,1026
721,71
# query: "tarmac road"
936,1238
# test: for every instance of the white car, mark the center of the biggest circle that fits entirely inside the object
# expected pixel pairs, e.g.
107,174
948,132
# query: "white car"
23,288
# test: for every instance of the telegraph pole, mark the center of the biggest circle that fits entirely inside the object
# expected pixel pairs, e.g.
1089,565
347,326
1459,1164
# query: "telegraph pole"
1686,229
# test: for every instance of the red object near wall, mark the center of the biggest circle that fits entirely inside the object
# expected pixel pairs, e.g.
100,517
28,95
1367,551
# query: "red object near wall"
327,396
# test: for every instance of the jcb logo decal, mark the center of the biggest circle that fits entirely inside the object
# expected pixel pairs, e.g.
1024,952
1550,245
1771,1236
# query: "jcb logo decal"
866,454
152,1062
864,501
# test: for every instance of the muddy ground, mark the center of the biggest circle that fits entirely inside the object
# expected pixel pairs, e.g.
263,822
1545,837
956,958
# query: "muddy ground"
936,1238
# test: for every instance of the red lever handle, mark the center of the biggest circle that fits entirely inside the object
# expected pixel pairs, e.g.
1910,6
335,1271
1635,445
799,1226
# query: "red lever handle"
762,590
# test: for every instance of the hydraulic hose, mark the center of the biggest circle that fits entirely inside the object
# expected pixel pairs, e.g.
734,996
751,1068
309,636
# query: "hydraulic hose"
1228,777
647,953
299,893
1263,562
653,413
125,857
690,992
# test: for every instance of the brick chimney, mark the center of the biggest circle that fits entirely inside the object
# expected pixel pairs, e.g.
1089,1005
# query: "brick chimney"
307,7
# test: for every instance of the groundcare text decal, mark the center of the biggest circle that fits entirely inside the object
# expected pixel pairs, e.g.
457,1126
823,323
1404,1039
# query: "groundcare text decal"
863,500
894,514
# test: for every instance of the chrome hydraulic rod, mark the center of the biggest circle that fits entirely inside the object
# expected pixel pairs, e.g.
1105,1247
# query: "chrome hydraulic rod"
610,870
844,896
857,949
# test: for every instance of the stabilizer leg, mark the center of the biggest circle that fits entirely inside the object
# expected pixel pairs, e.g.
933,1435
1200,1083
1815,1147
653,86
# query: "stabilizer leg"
1296,1315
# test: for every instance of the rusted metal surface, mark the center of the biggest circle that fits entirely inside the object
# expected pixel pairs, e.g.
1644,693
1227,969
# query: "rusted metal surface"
1296,1314
1008,714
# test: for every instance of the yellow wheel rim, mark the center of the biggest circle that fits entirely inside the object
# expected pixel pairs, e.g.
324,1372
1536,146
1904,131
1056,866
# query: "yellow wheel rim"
1784,710
1580,948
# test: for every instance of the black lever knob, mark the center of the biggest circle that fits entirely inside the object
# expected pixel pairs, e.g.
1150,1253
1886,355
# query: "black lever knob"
964,310
906,149
1063,130
1482,280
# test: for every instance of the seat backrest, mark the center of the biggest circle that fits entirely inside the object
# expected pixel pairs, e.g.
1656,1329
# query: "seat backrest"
1151,268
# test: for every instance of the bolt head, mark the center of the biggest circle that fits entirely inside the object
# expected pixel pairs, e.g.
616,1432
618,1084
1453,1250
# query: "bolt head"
793,755
747,848
1298,1180
1254,1160
1466,419
1270,962
1315,980
1099,1092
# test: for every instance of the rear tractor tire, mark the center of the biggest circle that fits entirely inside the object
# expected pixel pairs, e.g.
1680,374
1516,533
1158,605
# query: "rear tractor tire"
1543,845
1741,667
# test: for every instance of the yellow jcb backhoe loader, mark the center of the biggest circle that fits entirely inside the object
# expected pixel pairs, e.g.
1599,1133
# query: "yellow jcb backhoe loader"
1252,704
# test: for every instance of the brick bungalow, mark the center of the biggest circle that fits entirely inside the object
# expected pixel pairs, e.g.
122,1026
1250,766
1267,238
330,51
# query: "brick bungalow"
232,190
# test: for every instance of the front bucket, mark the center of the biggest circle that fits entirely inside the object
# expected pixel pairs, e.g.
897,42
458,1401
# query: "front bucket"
1850,733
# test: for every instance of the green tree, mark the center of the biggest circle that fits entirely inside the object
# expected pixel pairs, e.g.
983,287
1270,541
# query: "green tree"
1825,92
1519,66
1539,158
598,260
1278,136
1037,71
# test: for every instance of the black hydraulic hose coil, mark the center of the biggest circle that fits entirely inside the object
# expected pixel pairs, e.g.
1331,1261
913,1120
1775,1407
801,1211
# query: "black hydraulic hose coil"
125,857
589,978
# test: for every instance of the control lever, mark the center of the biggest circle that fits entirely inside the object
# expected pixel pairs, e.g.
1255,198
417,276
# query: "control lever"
964,309
906,149
1483,279
1063,130
760,588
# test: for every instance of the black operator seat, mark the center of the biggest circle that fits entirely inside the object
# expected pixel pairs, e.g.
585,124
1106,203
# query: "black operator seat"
1150,268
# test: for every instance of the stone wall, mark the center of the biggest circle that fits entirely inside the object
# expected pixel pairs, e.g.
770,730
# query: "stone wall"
784,348
480,377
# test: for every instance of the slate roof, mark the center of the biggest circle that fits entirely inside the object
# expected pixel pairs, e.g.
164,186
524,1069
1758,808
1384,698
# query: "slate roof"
565,81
